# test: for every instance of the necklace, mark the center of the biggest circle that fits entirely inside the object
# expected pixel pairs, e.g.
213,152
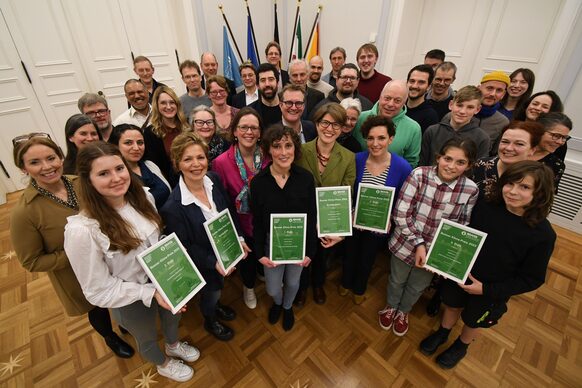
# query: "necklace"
71,201
323,160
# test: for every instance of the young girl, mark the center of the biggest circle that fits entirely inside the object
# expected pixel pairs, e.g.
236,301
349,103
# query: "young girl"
428,195
117,221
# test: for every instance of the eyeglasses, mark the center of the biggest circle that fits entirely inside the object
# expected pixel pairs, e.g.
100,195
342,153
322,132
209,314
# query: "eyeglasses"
95,113
289,104
246,128
215,93
200,123
559,137
348,78
27,137
325,124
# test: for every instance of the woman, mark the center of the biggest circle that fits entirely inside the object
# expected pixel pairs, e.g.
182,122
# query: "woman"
541,102
117,222
130,141
167,122
236,168
198,197
217,90
517,142
203,120
331,165
282,187
36,228
519,90
80,130
353,108
512,261
557,128
374,166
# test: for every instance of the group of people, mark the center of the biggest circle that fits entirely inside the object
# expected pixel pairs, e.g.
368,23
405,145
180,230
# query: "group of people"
169,163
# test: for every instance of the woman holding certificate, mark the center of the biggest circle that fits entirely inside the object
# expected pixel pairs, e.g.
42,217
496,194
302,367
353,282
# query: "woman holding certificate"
430,193
283,188
331,165
512,261
117,222
198,197
379,167
236,168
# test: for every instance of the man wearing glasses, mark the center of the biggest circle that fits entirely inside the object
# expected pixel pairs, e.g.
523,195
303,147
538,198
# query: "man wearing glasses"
292,104
195,95
95,106
441,93
346,86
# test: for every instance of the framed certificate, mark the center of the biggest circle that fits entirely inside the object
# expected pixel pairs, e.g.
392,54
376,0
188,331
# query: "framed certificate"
172,271
373,207
454,250
334,211
287,241
224,240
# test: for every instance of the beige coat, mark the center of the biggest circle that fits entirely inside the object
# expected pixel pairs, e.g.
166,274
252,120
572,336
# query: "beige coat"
37,228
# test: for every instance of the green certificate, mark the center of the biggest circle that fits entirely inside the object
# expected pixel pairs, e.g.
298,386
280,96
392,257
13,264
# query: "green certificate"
373,207
224,240
454,250
172,271
287,241
334,211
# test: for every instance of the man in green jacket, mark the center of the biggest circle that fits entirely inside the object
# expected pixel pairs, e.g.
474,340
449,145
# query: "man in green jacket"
406,142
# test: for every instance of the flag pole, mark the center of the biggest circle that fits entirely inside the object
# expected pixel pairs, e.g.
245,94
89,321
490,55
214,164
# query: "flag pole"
313,27
230,31
294,30
276,29
253,30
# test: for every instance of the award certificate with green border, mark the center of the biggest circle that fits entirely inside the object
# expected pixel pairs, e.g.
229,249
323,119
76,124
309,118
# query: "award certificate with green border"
454,250
172,271
334,211
373,207
224,240
287,240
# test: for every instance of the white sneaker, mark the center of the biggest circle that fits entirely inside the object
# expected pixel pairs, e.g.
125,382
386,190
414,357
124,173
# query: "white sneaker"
249,297
184,351
176,370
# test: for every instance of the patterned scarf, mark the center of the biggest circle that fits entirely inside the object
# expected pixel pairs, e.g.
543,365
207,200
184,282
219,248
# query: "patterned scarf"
242,199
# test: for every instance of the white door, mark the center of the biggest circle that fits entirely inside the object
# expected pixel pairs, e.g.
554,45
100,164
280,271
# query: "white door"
20,111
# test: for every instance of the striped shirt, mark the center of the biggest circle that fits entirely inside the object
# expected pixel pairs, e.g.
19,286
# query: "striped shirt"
379,180
423,201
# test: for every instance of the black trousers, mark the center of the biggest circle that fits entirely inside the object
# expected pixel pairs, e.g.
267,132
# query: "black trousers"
361,251
315,273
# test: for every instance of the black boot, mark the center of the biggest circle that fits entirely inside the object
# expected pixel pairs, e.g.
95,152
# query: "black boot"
219,330
274,313
430,344
288,319
451,357
121,348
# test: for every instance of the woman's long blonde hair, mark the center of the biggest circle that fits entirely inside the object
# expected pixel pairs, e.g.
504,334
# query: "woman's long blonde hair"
156,120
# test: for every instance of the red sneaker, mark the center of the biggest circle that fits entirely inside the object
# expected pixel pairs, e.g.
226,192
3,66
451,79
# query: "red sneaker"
400,324
386,317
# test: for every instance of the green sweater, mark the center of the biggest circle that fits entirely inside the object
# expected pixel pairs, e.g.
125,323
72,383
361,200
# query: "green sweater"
407,140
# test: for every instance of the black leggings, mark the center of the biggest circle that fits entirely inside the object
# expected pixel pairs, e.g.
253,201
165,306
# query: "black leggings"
101,321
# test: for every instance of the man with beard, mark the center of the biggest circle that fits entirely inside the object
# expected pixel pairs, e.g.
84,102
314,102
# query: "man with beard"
298,75
371,81
418,80
292,102
250,93
337,58
315,81
268,103
95,106
195,95
140,108
441,93
493,86
347,86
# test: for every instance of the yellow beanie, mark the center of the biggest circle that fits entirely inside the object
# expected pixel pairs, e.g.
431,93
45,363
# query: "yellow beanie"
496,75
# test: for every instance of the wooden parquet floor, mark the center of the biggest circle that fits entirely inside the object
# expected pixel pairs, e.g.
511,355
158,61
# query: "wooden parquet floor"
538,342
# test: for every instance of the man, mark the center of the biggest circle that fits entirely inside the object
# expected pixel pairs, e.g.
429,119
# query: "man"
407,140
140,109
371,81
144,69
250,93
493,86
209,66
298,76
434,58
268,103
195,95
418,80
95,106
273,54
441,92
315,81
292,102
347,86
337,58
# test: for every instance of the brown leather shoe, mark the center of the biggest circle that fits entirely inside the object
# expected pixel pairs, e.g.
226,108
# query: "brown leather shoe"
319,295
300,298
